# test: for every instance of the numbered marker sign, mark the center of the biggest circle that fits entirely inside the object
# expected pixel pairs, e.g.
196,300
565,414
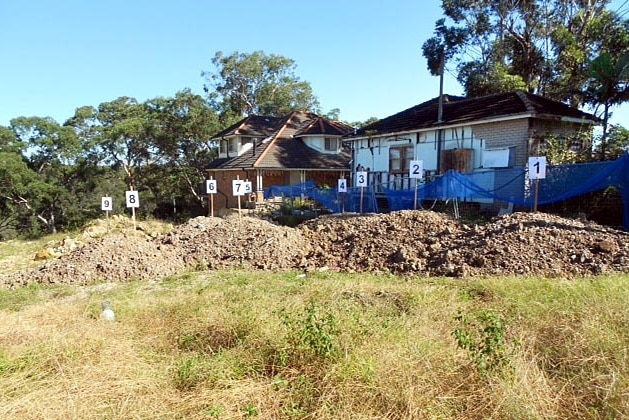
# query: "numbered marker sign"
106,204
248,187
342,185
133,198
238,187
210,186
537,167
417,169
361,179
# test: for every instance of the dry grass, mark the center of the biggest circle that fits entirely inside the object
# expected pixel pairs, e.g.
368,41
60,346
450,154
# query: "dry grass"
227,345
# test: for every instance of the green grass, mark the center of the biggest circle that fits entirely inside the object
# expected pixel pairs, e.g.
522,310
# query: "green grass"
238,344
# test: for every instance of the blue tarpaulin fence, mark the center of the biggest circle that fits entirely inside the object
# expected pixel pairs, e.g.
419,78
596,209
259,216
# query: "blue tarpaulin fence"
329,198
562,182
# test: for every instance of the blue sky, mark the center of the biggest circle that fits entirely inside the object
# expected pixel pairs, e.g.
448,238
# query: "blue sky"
363,57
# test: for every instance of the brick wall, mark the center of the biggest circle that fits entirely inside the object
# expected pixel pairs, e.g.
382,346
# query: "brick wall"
511,133
224,197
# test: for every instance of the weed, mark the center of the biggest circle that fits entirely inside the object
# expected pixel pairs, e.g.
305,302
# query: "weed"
190,373
250,410
214,412
312,332
482,335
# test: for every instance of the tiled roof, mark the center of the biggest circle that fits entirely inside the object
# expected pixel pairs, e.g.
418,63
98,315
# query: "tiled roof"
293,153
253,125
280,148
458,110
324,126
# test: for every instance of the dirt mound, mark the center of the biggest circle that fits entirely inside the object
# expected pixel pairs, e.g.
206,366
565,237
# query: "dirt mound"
432,244
199,244
420,243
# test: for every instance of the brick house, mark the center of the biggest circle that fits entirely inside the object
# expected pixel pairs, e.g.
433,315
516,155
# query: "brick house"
491,132
286,150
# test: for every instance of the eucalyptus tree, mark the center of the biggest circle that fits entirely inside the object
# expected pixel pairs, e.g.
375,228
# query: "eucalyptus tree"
542,46
243,84
180,130
15,177
50,151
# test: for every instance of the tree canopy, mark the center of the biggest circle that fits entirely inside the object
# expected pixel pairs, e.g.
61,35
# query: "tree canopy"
244,84
542,46
573,52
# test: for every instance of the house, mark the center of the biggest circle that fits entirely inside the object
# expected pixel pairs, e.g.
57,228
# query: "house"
491,132
286,150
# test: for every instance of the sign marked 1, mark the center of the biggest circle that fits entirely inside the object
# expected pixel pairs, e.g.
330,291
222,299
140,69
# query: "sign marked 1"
537,171
537,167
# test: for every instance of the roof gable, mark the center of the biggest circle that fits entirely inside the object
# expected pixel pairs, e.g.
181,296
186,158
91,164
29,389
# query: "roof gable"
277,143
459,110
323,126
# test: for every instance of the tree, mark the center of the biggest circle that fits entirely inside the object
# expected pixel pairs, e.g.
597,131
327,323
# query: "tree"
181,129
245,84
543,46
50,151
481,79
439,49
485,40
116,134
616,143
15,178
607,86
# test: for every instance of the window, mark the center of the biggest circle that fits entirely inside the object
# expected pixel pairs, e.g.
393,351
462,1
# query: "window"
400,159
331,144
233,146
222,148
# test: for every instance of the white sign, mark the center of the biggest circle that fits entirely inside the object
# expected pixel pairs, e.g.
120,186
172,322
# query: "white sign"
248,187
210,186
417,169
342,187
106,204
361,179
133,199
238,187
537,167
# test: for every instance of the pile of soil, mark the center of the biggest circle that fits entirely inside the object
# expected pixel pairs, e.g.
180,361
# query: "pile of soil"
420,243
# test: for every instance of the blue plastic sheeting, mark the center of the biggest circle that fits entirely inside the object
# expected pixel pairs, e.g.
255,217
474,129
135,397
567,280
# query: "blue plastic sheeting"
329,198
292,191
562,182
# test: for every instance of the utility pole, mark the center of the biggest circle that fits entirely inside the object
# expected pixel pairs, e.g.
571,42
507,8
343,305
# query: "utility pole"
440,113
